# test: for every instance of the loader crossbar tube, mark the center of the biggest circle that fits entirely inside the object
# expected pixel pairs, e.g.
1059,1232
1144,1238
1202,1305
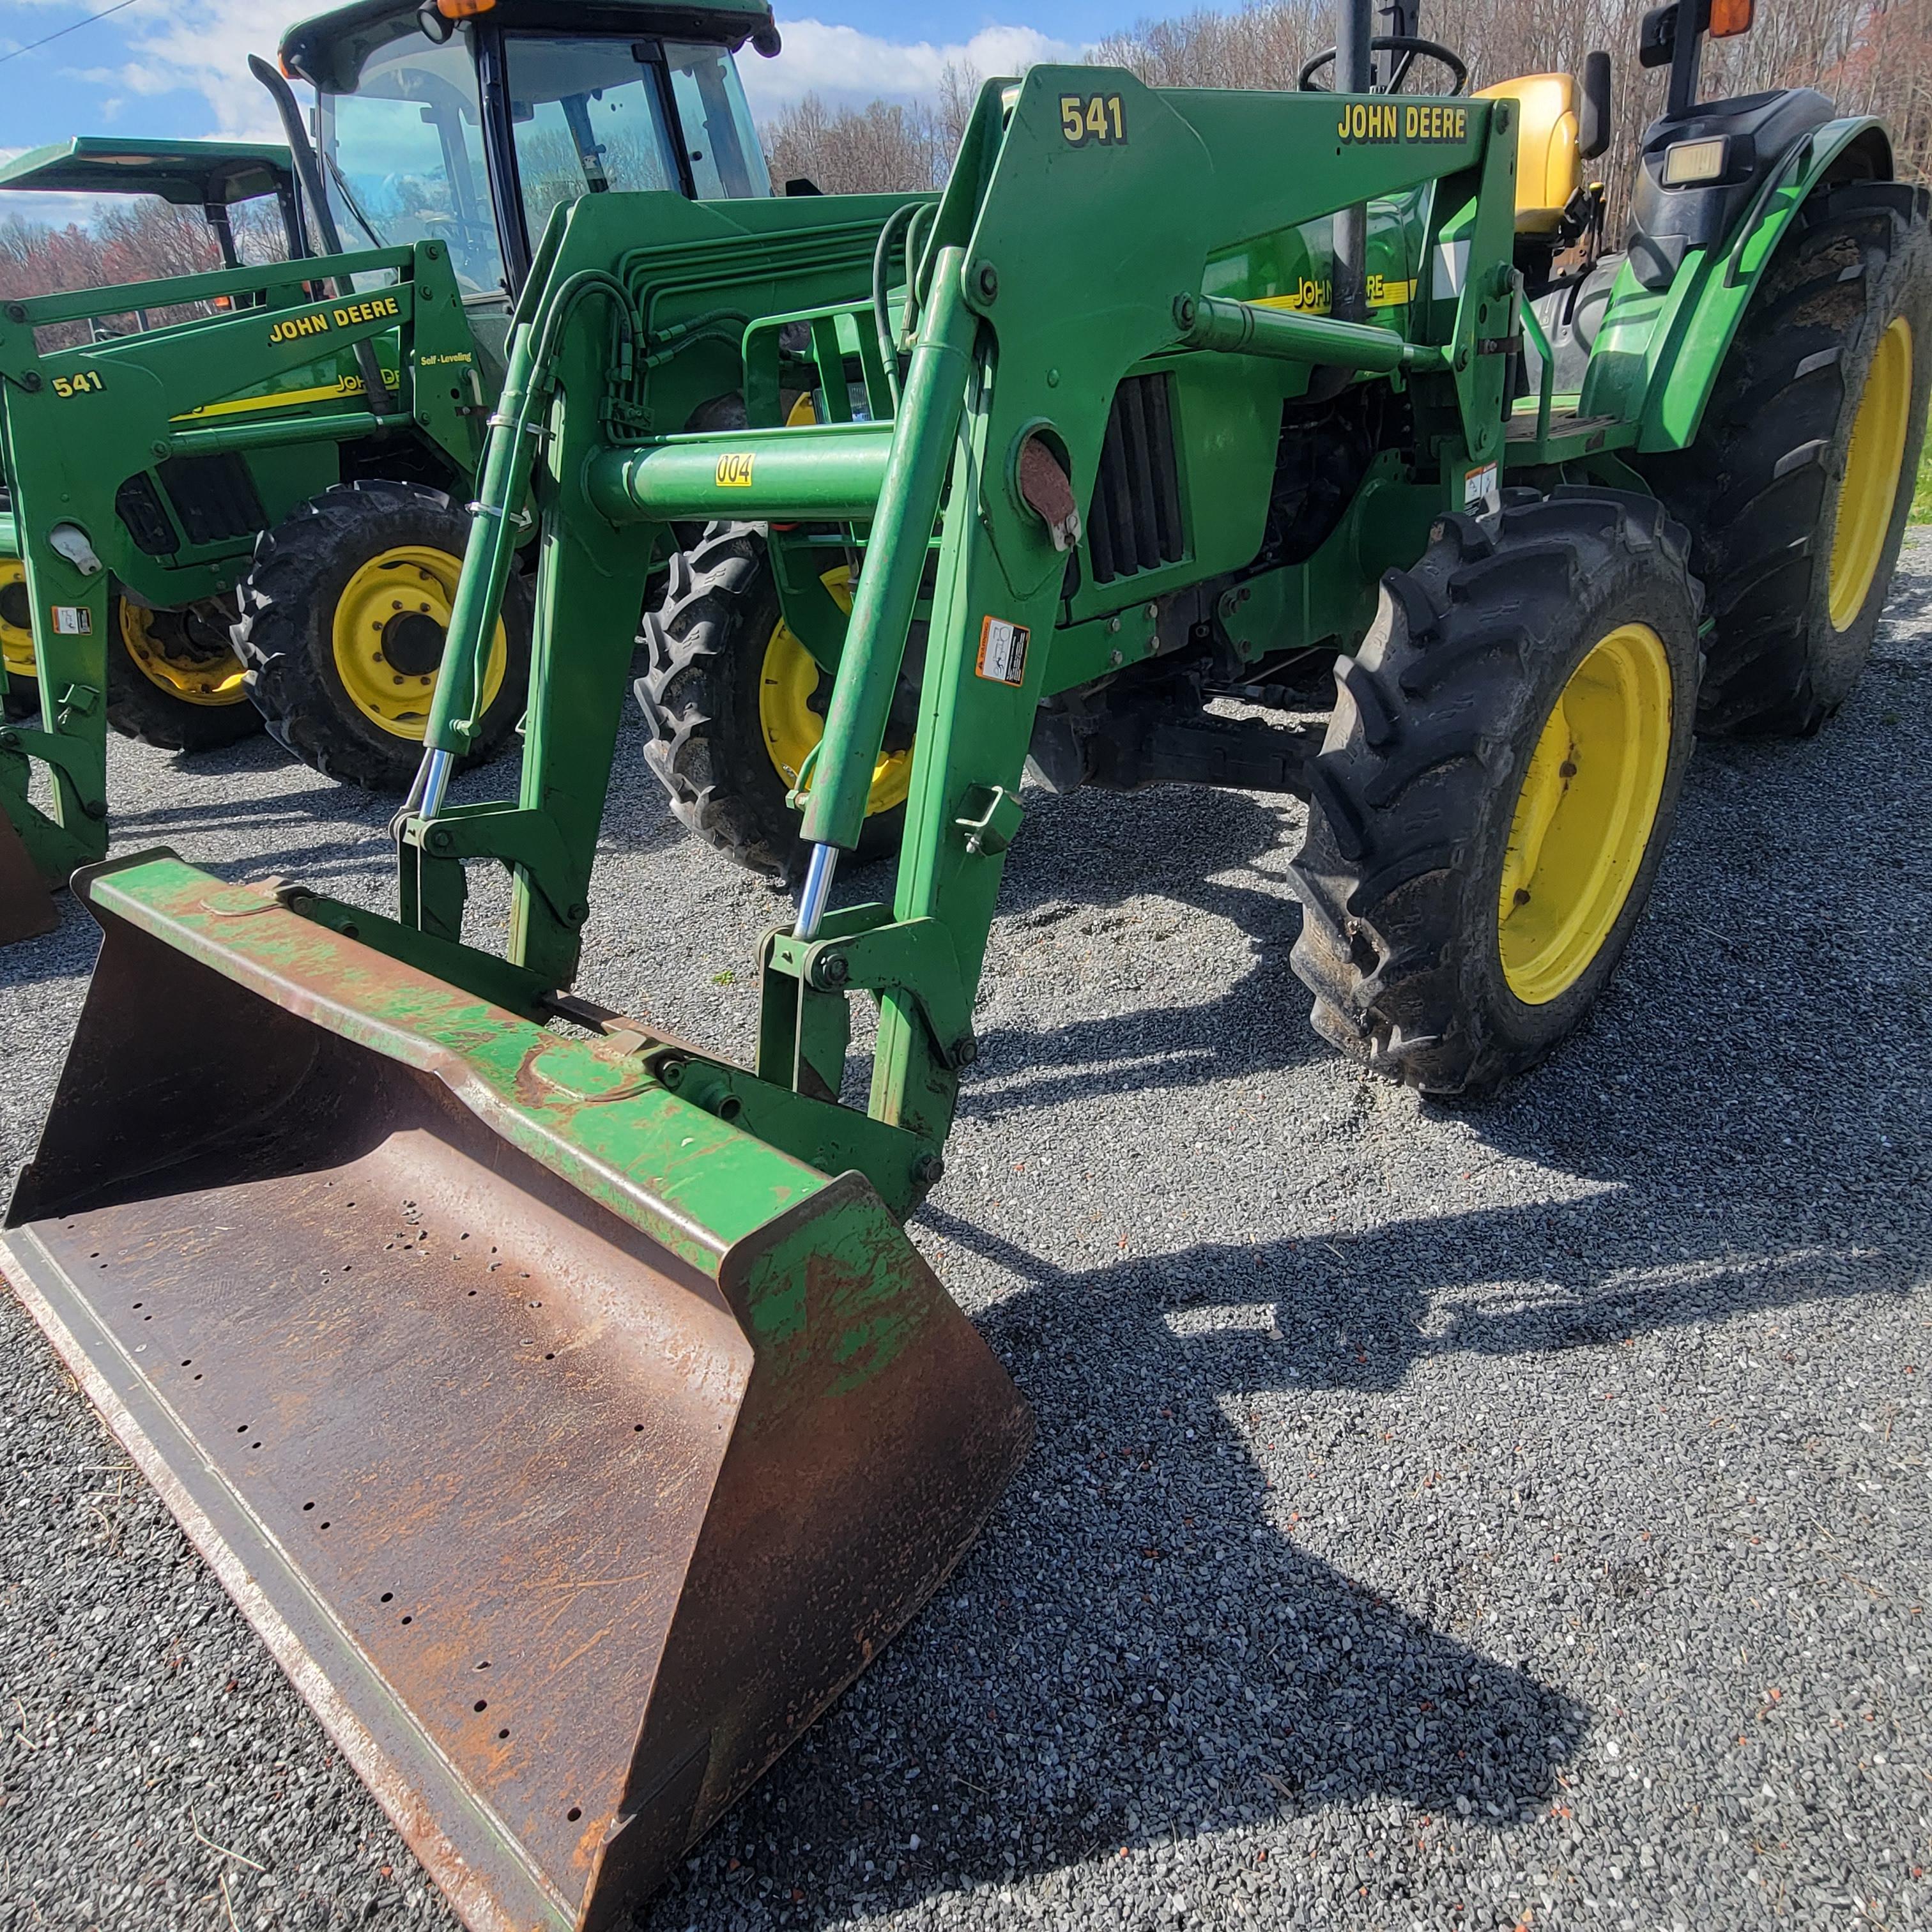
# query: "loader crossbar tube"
340,427
832,473
1246,329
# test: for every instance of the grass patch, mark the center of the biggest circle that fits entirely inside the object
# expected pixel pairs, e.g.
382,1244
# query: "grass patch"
1921,494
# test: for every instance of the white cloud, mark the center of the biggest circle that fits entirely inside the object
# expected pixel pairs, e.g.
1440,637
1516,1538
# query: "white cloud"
202,46
53,211
847,68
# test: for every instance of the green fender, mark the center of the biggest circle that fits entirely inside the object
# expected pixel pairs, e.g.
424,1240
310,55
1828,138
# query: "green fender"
1657,353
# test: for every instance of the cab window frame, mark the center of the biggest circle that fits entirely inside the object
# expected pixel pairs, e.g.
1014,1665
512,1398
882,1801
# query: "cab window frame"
476,174
493,73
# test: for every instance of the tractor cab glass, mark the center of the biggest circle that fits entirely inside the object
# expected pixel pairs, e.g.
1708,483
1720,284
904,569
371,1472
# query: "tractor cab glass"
721,143
403,157
592,115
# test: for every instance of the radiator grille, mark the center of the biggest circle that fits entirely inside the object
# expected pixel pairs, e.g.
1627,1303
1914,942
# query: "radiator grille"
1134,524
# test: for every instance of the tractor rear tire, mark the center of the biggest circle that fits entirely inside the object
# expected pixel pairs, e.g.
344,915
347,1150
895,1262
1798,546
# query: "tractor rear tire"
716,646
1798,487
172,679
1497,786
343,612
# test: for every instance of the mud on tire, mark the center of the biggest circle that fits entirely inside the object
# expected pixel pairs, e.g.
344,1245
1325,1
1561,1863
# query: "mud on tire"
1414,790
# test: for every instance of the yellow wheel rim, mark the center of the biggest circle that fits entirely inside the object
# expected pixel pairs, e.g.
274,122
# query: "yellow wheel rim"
390,622
16,619
1584,817
788,682
1874,463
212,682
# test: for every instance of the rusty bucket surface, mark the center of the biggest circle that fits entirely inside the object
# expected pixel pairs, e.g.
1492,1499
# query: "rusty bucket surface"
570,1449
27,908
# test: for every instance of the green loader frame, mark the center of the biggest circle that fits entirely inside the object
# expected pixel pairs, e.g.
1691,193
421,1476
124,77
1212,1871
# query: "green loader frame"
121,490
1036,308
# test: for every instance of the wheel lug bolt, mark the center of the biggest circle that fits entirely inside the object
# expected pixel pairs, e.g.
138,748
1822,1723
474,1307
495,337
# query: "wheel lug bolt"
1522,895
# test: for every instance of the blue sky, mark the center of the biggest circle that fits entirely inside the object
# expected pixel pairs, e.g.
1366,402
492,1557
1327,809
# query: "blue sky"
177,66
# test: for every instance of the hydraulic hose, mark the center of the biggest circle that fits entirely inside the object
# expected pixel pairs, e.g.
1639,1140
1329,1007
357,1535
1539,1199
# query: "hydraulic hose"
882,320
487,561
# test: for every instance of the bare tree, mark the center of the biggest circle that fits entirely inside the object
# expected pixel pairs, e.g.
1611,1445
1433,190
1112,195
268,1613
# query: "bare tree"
137,239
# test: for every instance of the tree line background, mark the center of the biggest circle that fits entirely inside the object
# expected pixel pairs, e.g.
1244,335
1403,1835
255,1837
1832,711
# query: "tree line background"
1872,56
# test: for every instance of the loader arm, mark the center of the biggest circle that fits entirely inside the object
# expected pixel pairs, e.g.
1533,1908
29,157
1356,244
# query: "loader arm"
1035,302
603,1366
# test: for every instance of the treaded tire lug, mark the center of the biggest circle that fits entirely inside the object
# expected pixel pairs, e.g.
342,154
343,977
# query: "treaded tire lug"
285,633
704,648
1759,488
1399,874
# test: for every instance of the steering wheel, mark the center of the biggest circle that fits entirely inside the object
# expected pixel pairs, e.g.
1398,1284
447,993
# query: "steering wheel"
1408,45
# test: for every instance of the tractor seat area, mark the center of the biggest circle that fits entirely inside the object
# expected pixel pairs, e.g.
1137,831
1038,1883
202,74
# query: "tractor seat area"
1548,156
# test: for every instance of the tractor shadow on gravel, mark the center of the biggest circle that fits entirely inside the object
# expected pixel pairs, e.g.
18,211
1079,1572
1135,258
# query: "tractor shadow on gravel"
1082,863
1136,1654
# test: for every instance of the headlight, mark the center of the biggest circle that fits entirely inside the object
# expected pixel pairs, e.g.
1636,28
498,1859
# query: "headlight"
1693,161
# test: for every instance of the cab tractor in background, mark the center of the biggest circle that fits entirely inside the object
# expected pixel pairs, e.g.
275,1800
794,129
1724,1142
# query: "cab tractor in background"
258,513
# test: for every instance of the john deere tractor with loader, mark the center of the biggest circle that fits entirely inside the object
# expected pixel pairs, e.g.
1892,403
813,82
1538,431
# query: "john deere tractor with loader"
563,1401
250,510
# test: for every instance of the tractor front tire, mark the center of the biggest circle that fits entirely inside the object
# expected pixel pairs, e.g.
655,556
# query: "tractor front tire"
1497,786
731,706
343,614
173,680
1798,487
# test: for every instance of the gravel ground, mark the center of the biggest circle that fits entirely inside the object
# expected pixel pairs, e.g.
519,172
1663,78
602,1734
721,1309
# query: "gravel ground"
1504,1518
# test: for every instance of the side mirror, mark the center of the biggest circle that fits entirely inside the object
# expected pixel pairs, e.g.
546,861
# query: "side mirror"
1593,115
1657,38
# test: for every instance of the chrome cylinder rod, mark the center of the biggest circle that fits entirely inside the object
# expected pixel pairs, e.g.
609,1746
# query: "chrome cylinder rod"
817,892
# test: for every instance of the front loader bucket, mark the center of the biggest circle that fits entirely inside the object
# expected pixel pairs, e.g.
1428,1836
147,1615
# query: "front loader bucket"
27,909
571,1448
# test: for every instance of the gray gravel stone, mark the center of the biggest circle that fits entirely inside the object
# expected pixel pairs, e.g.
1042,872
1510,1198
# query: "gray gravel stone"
1513,1516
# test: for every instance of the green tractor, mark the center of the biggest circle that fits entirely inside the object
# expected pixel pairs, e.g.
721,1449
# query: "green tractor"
563,1401
175,681
241,498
